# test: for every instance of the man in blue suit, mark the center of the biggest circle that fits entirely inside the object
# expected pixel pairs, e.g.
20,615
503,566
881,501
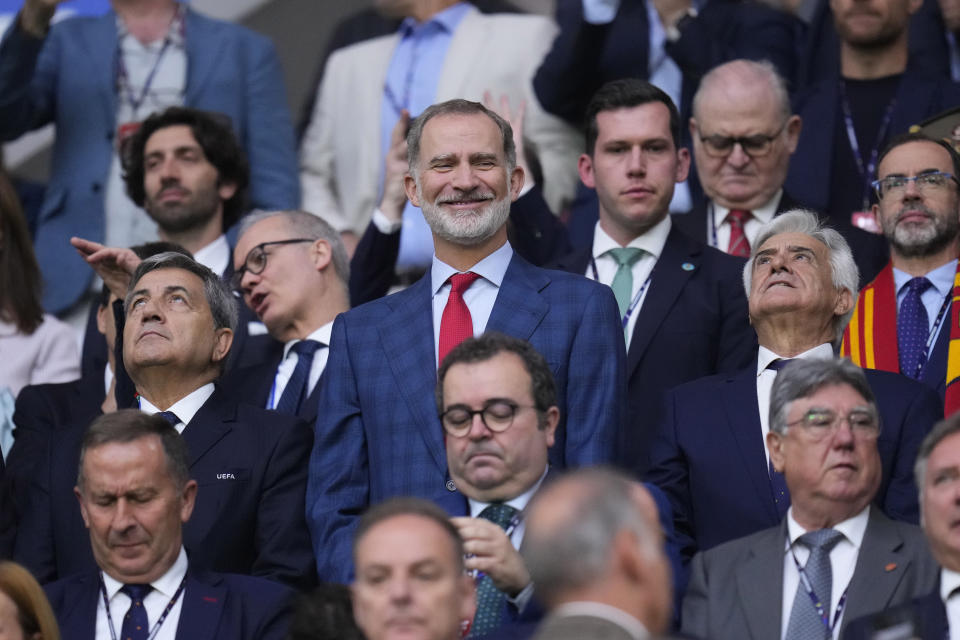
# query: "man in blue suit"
135,494
710,456
377,433
92,78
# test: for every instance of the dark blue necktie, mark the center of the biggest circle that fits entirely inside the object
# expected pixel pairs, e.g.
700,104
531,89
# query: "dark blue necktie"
296,389
135,623
781,495
490,600
913,327
170,417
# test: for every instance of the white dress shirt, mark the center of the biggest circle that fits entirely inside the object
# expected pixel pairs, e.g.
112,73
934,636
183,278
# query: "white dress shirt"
185,408
215,256
718,227
651,242
289,363
843,561
481,295
950,581
155,602
932,299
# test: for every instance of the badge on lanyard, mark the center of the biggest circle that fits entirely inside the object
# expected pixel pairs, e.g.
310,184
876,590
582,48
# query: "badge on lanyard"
865,220
124,132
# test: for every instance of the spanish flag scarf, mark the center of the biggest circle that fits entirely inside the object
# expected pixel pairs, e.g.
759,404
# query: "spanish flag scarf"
870,339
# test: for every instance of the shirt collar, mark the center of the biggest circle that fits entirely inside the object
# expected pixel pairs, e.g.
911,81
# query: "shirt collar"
176,32
166,585
852,529
763,214
519,503
949,581
492,268
447,20
215,256
321,335
186,407
652,241
611,614
942,278
765,356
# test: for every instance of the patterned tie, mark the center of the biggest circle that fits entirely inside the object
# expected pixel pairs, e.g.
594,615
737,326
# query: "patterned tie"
913,327
170,417
781,495
298,386
739,245
135,624
622,284
490,601
456,324
805,622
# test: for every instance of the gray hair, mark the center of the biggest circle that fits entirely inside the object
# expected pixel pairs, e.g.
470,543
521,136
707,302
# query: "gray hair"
223,305
744,71
128,425
802,378
304,224
605,508
410,506
844,271
463,108
940,432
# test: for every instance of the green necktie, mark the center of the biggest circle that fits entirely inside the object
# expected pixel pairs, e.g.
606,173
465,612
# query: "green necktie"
622,284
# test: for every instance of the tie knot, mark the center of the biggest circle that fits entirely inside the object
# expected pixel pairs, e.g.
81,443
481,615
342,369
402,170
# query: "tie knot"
170,417
824,539
918,285
136,592
738,217
460,282
306,347
779,363
626,256
499,514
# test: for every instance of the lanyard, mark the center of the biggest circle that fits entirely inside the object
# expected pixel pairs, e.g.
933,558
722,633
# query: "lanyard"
163,616
124,78
817,604
865,172
636,298
922,363
714,242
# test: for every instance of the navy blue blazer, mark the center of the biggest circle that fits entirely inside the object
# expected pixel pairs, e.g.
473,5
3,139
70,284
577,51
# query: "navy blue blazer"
709,457
378,434
216,606
924,617
250,465
693,323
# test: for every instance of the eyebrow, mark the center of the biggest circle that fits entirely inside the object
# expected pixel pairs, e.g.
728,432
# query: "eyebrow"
919,173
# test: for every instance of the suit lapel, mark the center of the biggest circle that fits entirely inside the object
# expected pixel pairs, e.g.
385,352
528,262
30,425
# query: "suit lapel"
79,606
203,601
208,426
203,55
101,43
880,568
759,583
519,308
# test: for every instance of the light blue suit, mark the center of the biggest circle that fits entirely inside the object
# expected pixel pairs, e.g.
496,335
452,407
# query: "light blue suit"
69,79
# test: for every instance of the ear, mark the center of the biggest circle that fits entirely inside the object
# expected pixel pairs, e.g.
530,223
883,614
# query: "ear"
516,183
627,556
83,507
410,187
844,302
222,340
102,313
794,126
585,169
683,164
875,212
775,445
226,190
322,254
552,416
189,499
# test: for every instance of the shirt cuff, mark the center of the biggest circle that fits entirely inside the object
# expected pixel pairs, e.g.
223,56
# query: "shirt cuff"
522,599
385,225
600,11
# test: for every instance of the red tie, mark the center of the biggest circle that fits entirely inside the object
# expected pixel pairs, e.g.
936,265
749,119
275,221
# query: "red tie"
456,325
739,245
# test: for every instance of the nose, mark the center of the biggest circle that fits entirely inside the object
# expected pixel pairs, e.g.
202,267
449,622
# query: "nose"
123,518
400,589
151,311
738,157
478,428
248,281
843,434
169,170
911,190
636,165
463,177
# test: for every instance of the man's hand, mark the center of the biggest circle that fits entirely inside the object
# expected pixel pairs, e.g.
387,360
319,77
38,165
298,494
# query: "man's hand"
489,550
515,118
395,168
114,265
36,15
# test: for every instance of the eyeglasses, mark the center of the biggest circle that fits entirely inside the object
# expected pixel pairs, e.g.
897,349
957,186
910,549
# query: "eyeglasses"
497,415
256,260
819,423
718,146
926,182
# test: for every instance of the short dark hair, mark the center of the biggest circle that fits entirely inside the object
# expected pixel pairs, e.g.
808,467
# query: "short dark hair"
214,133
463,108
906,138
128,425
405,506
144,251
623,94
490,344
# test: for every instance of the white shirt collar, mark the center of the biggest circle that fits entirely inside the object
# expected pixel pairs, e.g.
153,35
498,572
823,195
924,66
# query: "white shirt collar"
766,356
600,610
949,580
763,214
652,241
492,268
186,407
942,278
852,529
519,503
215,256
321,335
166,584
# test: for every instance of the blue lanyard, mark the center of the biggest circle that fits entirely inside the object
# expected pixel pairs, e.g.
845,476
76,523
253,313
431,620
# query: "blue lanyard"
636,298
817,604
124,78
866,173
922,363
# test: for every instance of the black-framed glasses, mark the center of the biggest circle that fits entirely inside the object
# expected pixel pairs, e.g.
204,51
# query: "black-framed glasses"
497,415
820,423
256,260
927,181
718,146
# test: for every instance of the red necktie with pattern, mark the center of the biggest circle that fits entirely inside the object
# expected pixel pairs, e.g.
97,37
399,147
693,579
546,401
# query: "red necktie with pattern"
739,245
456,324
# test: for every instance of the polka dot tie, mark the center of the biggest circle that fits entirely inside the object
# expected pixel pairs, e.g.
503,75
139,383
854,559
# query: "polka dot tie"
456,323
135,624
170,417
490,601
805,623
913,327
739,245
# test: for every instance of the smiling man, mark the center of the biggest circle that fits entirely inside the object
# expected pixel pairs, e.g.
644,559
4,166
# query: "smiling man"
905,321
378,434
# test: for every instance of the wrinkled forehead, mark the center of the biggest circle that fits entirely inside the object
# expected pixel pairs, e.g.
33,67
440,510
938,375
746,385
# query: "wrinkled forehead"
457,134
915,157
791,242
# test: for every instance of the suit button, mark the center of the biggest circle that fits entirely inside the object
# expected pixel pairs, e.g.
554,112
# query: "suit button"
96,187
451,486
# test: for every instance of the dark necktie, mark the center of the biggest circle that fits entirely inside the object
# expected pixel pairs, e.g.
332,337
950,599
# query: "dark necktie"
297,387
490,601
912,327
781,495
456,323
805,623
135,624
739,245
170,417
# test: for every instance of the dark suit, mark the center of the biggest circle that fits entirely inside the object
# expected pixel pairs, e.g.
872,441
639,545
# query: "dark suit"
709,456
925,617
736,589
378,434
694,223
215,607
250,465
693,323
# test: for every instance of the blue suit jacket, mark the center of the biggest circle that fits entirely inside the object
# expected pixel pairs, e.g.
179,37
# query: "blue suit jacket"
693,323
68,79
378,434
215,606
709,457
250,465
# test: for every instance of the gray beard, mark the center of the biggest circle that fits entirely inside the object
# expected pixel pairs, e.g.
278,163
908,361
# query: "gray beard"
467,229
